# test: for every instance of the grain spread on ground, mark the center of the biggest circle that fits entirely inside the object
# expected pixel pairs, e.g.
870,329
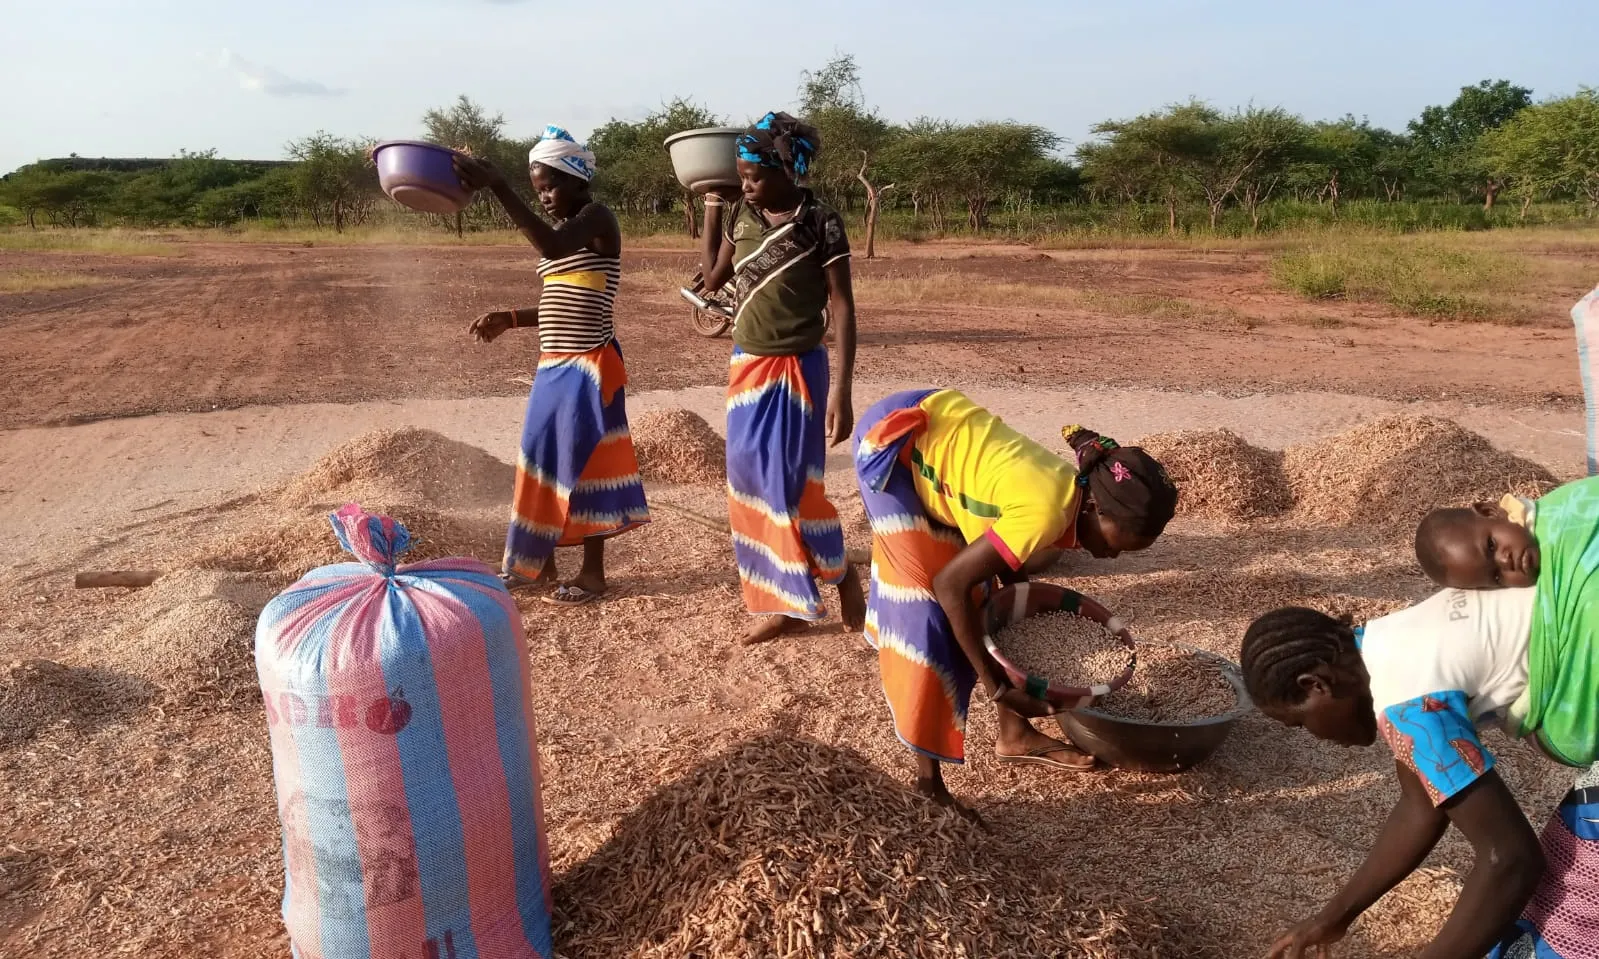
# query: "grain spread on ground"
1220,475
1170,685
454,499
407,465
1396,469
1064,648
195,867
788,847
190,635
677,446
38,693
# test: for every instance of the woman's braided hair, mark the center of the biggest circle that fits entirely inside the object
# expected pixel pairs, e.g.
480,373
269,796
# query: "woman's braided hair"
1287,643
1126,483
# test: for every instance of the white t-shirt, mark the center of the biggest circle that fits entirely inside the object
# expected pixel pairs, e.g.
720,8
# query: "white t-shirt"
1441,670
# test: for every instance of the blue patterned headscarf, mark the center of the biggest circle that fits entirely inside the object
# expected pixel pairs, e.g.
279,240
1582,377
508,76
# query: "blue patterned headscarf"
557,150
780,141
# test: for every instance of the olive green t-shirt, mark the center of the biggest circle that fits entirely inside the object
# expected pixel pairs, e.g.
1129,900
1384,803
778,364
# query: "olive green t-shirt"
779,276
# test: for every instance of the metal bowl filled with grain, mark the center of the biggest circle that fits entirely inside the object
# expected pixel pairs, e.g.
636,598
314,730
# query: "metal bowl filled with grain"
1057,644
1173,714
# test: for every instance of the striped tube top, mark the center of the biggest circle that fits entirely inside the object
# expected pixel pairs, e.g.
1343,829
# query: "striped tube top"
575,305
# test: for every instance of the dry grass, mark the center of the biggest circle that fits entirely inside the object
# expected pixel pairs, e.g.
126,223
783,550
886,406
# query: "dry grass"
416,233
103,242
1465,277
938,289
39,281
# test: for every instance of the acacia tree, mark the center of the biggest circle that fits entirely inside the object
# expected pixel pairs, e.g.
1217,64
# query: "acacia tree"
635,169
984,160
28,189
1153,155
1446,137
1262,145
1339,158
1551,149
916,158
853,137
1394,162
333,179
466,126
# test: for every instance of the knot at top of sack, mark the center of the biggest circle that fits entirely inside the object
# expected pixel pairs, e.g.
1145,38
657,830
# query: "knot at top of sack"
375,539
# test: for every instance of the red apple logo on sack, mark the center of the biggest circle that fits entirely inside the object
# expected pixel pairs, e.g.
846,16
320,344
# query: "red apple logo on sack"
389,715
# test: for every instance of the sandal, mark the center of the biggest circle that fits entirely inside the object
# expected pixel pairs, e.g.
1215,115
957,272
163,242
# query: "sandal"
571,596
1040,755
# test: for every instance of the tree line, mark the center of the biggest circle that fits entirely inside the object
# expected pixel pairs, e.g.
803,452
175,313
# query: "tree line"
1185,162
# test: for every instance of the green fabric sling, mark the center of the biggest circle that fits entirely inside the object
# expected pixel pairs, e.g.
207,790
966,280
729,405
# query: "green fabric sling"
1561,704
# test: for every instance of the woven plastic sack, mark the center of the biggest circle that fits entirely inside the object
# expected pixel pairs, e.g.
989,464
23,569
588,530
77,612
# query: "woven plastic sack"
405,757
1586,316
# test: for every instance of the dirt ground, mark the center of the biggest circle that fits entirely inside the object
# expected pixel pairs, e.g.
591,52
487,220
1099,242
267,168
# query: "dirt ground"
222,326
146,828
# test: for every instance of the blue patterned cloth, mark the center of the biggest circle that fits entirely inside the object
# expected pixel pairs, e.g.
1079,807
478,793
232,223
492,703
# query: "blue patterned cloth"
1435,737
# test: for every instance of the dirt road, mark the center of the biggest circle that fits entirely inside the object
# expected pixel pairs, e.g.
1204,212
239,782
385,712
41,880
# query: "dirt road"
224,326
148,467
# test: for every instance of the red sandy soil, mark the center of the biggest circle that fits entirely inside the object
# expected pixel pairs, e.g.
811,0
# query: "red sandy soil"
229,325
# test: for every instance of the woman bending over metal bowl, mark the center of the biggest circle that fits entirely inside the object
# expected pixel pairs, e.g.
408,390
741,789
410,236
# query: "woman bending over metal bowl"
957,499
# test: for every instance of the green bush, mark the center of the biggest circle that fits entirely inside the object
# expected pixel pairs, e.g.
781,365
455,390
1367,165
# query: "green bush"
1315,274
1421,276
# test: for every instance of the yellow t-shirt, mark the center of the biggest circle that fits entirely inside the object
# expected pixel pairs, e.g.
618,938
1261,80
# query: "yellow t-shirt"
980,476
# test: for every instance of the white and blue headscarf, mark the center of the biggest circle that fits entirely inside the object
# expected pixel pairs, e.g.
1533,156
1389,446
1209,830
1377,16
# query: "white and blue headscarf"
778,140
557,150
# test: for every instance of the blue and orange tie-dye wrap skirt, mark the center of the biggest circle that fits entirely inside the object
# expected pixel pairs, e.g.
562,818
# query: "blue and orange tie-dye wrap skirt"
786,535
927,678
577,475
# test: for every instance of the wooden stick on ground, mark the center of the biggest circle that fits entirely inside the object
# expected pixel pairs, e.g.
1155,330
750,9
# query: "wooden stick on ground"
859,557
127,578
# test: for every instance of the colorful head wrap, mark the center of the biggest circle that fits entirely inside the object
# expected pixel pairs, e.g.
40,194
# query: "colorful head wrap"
778,140
557,150
1126,483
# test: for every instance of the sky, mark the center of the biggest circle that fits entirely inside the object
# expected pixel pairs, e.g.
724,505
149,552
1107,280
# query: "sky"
152,77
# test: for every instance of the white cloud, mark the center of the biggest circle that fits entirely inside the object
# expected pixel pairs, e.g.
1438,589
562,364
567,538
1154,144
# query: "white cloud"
264,79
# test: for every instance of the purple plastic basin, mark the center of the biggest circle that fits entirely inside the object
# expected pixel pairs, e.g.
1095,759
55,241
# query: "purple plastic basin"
420,175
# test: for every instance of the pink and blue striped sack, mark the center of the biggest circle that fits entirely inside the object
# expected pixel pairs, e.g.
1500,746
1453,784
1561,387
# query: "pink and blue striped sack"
1586,316
405,757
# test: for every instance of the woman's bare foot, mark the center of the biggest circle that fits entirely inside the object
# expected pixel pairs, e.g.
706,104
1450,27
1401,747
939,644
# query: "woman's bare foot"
515,580
768,628
939,793
852,600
